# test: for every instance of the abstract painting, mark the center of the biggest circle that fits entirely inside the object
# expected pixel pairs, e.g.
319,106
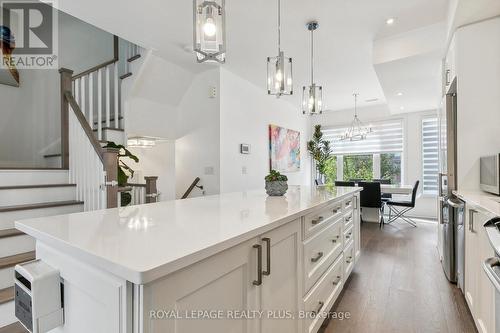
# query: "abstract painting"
284,149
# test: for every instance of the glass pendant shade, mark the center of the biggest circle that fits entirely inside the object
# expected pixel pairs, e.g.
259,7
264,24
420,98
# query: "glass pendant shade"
312,99
209,30
279,75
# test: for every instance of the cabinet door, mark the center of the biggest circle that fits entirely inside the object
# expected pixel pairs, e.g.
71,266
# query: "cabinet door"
223,282
485,290
279,292
357,227
471,266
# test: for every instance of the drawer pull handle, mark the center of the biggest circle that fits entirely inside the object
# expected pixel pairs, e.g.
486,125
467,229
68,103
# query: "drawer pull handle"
335,210
267,272
318,257
336,239
258,282
349,260
347,219
348,236
347,204
320,306
318,220
337,281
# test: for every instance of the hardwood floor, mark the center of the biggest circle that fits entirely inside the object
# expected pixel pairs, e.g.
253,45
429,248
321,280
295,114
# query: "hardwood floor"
399,286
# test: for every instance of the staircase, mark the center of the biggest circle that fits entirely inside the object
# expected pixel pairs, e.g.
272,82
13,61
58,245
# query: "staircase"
75,179
27,194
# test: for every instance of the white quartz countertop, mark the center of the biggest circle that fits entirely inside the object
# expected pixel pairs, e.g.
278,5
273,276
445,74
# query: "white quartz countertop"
486,201
143,243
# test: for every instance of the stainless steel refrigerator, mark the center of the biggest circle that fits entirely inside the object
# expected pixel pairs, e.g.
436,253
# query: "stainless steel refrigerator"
450,234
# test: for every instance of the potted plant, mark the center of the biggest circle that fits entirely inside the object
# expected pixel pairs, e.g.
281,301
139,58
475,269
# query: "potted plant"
276,184
320,150
124,171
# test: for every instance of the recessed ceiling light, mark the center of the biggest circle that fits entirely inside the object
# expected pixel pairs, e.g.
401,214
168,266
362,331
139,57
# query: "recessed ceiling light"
399,93
402,108
371,100
390,21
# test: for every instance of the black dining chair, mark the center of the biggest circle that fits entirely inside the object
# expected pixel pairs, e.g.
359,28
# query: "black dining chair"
370,197
343,183
401,208
385,196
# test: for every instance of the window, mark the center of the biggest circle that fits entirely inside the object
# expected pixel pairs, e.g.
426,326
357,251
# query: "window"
331,170
430,153
378,156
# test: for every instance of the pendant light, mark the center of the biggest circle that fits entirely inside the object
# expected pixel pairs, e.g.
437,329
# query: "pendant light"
209,31
358,131
312,96
279,69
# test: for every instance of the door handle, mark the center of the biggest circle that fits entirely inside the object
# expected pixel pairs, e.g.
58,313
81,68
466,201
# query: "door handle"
258,282
318,257
268,256
471,219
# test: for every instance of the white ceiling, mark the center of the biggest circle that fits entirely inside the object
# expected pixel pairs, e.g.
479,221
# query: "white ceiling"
344,41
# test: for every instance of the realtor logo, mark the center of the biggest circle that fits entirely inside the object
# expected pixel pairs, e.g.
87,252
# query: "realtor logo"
28,34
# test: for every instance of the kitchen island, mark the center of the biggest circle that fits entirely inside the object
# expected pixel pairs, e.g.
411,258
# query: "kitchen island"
235,262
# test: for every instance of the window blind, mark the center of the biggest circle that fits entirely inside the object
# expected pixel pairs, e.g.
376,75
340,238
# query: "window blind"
386,137
430,155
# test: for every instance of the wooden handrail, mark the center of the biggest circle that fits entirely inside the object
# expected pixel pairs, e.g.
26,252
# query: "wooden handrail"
83,122
191,187
135,185
104,64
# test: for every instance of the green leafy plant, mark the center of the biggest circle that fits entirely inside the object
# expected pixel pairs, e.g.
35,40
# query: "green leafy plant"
124,171
320,150
275,176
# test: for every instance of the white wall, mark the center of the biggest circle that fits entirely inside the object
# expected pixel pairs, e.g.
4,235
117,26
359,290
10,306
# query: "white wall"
478,116
30,124
246,112
157,161
197,148
426,206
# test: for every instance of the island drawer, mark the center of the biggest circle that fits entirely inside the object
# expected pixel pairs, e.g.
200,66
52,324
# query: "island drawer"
322,296
348,235
348,219
349,257
321,251
349,204
316,221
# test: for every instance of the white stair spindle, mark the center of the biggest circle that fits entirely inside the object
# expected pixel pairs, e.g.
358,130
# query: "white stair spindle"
108,97
115,94
99,104
82,96
91,100
77,91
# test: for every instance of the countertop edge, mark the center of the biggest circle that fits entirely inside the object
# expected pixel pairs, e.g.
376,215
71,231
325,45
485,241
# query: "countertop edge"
469,198
144,277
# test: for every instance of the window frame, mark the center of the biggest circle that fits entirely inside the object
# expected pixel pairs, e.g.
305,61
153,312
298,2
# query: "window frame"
424,118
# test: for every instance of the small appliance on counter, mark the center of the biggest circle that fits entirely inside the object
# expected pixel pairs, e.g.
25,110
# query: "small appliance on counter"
490,174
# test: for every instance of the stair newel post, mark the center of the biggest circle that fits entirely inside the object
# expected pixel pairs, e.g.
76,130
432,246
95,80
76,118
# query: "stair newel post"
66,85
110,157
151,189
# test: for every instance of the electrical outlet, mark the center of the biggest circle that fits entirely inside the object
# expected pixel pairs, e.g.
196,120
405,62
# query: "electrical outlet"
209,170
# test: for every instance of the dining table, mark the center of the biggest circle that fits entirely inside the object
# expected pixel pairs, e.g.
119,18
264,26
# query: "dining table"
396,189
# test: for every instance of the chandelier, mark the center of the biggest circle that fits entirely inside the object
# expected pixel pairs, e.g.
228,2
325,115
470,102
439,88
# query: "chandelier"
279,69
357,131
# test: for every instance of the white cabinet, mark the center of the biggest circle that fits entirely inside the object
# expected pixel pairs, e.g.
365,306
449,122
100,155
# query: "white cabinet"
280,284
449,66
479,292
258,275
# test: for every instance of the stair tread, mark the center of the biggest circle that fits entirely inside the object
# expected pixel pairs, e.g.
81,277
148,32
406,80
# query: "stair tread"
111,119
124,76
52,155
137,56
20,187
30,168
6,295
16,327
10,233
40,205
11,261
110,128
